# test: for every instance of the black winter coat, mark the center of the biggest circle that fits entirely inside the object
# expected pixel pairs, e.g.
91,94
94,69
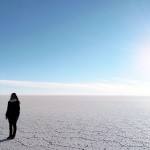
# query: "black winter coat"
13,110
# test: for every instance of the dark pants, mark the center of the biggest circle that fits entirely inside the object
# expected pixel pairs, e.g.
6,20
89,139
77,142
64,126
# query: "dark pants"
12,126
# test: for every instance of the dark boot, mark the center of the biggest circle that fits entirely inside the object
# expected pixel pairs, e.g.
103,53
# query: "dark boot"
9,137
13,135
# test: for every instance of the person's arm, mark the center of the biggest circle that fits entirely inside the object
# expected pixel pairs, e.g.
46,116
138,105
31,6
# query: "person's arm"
18,109
6,115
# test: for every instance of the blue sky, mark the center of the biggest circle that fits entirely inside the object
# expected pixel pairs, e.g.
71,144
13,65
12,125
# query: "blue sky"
75,44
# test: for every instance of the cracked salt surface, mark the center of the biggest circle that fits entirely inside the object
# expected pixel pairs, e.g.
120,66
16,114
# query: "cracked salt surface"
78,123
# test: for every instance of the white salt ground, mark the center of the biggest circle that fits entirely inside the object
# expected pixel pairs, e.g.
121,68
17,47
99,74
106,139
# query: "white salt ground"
78,123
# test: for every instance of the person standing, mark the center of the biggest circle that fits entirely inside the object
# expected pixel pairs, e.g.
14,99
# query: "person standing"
12,114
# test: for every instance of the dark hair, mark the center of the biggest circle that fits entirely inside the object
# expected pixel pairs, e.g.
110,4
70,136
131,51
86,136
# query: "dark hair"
14,96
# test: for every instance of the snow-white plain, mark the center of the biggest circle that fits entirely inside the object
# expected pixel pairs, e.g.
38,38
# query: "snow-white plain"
78,123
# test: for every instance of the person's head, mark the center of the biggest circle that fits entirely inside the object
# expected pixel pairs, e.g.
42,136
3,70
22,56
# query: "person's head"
14,96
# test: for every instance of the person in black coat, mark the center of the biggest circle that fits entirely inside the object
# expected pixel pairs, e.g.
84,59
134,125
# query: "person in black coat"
12,114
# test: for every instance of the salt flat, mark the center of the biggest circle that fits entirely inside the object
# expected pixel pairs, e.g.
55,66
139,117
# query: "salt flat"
78,123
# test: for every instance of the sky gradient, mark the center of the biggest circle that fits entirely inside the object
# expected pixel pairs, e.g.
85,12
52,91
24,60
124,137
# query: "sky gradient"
72,46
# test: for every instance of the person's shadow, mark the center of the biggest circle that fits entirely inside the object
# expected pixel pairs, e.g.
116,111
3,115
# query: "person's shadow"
4,140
